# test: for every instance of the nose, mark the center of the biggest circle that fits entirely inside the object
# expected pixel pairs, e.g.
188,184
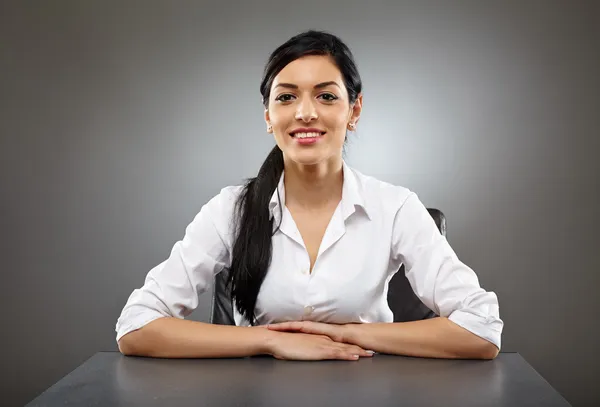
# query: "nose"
306,111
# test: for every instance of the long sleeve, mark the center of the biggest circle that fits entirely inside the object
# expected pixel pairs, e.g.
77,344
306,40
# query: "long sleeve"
443,282
171,289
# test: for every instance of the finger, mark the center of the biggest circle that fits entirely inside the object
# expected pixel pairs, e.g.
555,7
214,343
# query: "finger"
304,328
309,327
280,327
286,326
332,330
357,350
313,330
344,354
361,352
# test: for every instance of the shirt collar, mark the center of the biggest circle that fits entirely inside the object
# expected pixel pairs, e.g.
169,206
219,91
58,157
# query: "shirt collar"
352,195
274,207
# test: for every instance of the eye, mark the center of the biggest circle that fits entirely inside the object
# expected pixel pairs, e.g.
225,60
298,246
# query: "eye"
286,97
329,97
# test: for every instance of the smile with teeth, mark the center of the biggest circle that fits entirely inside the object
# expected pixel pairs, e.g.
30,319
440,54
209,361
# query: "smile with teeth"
307,135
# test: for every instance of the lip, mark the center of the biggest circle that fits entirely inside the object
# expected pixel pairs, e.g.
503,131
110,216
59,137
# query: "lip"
307,130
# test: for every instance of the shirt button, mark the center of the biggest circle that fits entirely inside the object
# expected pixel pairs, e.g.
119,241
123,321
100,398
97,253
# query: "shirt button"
304,271
308,310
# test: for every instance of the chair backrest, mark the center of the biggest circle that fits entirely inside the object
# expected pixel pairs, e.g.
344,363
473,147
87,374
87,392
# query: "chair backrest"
402,300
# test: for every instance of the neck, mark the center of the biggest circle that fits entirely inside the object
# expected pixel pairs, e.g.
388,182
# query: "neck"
313,187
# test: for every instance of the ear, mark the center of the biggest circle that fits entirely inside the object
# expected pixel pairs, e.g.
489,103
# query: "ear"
268,121
355,111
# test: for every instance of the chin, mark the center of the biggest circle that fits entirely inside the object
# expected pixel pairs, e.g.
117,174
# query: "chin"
308,158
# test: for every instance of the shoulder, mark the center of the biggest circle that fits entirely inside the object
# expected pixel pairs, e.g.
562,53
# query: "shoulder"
217,215
382,195
222,205
228,195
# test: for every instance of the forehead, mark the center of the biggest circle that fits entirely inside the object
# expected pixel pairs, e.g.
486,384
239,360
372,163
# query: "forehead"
309,71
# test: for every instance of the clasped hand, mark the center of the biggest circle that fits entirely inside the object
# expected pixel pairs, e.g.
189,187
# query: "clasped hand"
307,340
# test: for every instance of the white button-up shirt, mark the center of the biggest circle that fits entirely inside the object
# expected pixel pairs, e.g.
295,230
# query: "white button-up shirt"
375,229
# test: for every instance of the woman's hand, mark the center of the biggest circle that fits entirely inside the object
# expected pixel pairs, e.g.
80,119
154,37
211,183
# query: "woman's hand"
337,333
302,346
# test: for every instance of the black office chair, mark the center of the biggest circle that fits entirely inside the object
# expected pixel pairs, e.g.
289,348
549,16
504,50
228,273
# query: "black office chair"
403,302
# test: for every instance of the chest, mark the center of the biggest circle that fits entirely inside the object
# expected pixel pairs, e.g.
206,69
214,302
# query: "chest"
346,284
312,227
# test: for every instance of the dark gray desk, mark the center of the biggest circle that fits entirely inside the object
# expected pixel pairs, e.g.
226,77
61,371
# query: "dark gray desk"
110,379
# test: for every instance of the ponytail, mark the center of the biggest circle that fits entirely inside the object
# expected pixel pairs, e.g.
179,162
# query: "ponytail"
252,249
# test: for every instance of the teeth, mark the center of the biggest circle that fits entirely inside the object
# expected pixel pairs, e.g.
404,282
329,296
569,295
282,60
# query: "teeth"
306,135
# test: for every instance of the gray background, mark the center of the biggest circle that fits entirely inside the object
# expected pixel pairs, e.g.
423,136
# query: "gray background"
119,120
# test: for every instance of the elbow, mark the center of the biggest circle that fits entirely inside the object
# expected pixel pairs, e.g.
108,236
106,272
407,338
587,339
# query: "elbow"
490,352
126,346
474,344
125,351
486,351
142,341
133,344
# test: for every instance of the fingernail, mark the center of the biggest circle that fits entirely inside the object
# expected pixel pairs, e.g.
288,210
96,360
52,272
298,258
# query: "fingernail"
370,351
355,356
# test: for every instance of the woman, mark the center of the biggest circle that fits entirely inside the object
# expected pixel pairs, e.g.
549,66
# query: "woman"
311,245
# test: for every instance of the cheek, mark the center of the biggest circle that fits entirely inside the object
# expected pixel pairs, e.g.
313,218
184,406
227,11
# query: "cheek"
336,115
281,114
336,121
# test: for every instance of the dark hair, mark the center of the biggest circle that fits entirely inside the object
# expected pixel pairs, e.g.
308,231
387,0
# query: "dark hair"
252,249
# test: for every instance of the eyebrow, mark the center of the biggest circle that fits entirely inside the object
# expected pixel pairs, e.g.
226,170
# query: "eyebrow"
317,86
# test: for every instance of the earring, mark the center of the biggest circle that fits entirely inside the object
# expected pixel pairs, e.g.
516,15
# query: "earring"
351,126
269,128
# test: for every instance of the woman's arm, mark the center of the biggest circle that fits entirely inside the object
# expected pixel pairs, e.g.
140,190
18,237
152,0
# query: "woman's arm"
434,338
470,324
178,338
151,322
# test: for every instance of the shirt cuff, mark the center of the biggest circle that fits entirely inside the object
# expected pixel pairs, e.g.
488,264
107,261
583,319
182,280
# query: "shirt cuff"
487,327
